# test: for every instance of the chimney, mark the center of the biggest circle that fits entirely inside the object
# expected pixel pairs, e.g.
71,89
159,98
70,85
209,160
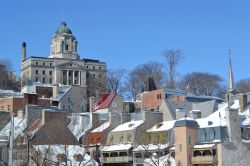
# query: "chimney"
20,114
180,113
233,124
243,101
95,119
55,90
91,103
23,51
152,118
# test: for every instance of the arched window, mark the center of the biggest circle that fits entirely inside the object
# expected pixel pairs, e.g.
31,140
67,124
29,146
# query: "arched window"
207,153
197,153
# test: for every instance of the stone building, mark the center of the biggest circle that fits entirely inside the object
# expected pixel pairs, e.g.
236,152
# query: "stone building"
64,66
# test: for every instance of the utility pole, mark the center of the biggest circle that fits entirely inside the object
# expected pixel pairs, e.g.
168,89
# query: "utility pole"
11,140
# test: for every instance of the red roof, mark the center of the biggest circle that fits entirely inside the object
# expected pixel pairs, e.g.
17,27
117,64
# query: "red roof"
105,101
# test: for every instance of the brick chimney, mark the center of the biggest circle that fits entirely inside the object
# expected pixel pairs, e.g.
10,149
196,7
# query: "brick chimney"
23,51
243,101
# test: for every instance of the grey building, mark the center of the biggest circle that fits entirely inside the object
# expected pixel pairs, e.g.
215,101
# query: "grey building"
64,66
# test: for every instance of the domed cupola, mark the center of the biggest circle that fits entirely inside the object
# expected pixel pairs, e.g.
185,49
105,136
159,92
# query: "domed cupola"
63,29
64,44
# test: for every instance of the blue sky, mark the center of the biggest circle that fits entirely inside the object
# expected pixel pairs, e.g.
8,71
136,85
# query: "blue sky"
126,33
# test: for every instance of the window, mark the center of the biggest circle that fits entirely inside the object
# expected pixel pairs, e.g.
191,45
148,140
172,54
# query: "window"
43,63
8,107
111,139
113,104
212,135
121,138
180,147
93,75
87,75
50,80
67,47
158,96
189,140
203,135
36,63
100,76
50,64
129,137
36,72
87,67
93,67
43,79
50,73
100,67
36,79
43,72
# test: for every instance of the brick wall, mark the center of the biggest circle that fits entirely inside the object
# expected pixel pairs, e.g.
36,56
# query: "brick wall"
152,100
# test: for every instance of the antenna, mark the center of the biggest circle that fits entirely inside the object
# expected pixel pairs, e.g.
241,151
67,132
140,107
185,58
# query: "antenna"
229,55
62,10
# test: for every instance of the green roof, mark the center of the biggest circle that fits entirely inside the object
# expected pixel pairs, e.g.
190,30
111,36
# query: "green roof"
63,29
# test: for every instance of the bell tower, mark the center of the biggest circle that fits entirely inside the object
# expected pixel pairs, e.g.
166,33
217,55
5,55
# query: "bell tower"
64,44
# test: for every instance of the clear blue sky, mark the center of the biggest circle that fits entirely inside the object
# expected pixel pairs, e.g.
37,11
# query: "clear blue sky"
125,33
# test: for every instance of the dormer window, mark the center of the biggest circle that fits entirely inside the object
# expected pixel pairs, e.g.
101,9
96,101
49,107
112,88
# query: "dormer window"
67,47
113,104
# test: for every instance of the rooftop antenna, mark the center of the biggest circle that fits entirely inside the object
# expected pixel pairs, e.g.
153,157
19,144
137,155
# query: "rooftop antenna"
63,14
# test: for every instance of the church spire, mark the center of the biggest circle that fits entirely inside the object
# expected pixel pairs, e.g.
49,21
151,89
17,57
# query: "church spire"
230,87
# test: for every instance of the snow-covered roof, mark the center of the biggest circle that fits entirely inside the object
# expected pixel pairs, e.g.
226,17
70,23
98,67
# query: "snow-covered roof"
163,126
63,89
151,147
128,126
19,126
218,118
203,146
195,111
29,89
101,128
246,122
9,93
117,147
80,123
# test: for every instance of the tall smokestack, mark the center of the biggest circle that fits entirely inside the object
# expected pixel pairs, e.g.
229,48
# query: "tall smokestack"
23,51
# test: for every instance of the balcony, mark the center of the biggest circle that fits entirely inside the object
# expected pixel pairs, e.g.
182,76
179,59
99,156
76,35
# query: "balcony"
204,160
124,159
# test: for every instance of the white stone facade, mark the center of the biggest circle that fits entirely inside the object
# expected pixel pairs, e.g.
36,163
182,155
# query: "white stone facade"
64,66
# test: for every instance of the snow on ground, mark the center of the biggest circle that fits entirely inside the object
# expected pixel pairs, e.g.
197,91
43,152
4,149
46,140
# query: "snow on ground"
69,150
128,126
162,161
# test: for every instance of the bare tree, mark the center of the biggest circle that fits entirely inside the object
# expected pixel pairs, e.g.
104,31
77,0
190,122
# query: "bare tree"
138,77
7,81
201,84
115,80
173,58
243,85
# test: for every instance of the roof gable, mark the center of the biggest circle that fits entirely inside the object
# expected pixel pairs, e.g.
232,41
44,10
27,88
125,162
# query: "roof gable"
105,101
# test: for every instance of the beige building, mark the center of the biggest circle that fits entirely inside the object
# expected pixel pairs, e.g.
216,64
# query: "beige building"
64,66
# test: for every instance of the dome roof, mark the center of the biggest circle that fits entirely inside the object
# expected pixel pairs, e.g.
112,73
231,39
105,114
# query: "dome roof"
63,29
186,122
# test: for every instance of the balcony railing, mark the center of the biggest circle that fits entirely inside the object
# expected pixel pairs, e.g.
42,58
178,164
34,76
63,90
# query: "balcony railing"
124,159
204,160
138,160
